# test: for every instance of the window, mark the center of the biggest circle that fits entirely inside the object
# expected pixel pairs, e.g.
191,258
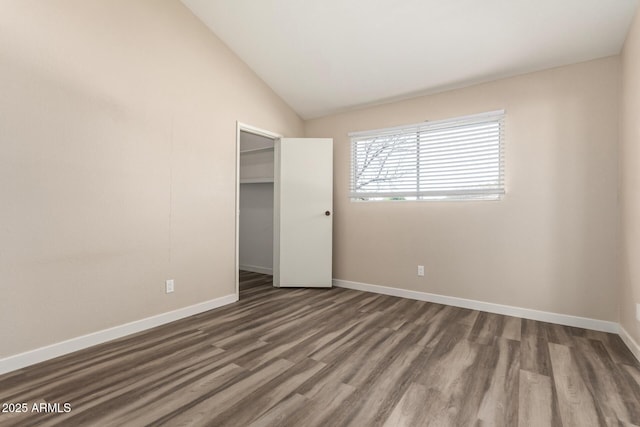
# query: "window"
454,159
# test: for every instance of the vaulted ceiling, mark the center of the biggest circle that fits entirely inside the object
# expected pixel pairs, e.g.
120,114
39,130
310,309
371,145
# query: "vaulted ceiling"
326,56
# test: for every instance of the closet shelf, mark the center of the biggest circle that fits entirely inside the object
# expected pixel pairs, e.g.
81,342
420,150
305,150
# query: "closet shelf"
256,180
254,150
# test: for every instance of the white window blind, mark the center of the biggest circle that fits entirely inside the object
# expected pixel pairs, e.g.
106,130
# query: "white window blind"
459,158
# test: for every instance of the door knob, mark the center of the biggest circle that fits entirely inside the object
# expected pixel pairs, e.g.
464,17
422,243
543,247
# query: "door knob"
327,213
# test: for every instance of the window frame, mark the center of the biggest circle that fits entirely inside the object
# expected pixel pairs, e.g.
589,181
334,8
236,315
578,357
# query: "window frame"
485,189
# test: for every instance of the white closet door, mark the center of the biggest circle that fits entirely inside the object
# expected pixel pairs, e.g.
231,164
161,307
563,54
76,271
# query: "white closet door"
303,212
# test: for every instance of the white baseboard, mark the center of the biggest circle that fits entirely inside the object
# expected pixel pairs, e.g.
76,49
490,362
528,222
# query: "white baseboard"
38,355
630,342
41,354
526,313
256,269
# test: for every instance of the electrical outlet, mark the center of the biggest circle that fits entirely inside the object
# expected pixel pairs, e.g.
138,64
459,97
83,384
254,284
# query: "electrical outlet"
638,312
421,270
169,286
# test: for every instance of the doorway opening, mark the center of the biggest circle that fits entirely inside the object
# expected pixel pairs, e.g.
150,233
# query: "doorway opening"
254,204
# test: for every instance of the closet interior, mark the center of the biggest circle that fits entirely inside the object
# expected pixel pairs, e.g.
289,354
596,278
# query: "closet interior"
256,203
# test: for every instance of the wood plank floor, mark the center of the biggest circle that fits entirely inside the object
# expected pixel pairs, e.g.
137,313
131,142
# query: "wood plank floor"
336,357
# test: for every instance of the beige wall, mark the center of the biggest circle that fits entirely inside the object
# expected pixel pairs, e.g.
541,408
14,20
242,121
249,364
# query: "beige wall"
549,245
630,181
117,129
